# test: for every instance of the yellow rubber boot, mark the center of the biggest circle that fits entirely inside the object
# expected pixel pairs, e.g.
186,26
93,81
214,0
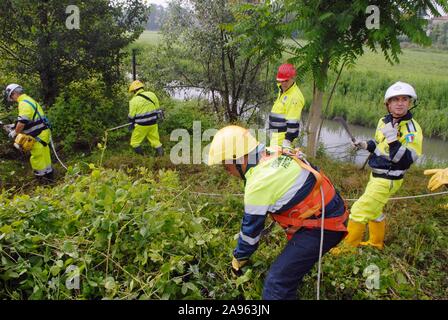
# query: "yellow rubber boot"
377,231
353,239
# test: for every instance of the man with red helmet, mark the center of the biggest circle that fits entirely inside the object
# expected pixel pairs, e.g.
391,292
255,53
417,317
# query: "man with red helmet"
285,114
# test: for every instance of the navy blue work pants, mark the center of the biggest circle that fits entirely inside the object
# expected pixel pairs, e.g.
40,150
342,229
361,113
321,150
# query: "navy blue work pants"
296,260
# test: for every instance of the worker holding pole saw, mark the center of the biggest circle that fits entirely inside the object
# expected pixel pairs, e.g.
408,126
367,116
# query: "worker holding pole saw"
397,145
31,133
144,113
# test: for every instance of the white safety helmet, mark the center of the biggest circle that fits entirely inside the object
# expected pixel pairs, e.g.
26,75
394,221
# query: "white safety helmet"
400,89
10,89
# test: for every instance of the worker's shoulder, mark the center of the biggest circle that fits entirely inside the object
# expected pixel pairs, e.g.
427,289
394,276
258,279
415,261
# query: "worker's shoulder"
141,96
413,124
382,121
270,170
26,103
295,94
149,94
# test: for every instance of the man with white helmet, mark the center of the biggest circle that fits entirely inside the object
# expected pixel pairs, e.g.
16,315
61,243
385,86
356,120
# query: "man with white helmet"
32,122
397,145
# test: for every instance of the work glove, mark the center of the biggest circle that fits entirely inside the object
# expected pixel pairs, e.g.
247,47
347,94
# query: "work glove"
360,144
390,132
237,265
12,134
131,127
439,178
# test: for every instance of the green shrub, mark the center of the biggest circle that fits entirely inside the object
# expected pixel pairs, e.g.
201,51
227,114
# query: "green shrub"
83,111
181,115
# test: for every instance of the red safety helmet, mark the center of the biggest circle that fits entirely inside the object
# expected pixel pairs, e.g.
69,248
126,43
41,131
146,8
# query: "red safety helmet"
285,72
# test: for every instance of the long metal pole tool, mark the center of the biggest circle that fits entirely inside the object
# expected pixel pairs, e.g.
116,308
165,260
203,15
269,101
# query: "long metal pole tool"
345,125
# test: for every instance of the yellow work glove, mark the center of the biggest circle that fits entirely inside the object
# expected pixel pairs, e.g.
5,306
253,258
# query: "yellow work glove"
439,178
237,265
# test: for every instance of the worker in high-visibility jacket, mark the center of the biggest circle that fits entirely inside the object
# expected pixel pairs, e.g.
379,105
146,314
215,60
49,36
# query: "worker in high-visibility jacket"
284,119
33,122
439,178
279,183
144,112
397,145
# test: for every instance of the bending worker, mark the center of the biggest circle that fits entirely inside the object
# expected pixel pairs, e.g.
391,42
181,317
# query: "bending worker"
32,122
288,188
143,114
439,178
397,145
284,119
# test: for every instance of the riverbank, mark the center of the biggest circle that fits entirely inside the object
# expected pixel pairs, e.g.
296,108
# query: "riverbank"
360,91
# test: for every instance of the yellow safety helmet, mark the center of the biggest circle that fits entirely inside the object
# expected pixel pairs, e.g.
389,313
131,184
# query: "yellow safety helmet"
137,84
230,143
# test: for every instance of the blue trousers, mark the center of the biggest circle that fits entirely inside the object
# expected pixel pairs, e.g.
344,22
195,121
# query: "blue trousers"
296,260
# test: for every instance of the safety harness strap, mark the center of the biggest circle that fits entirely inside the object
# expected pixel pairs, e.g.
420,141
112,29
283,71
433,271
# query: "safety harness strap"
298,216
146,98
333,224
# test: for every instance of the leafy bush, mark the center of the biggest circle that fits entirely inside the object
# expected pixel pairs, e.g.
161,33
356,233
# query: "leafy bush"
128,238
181,115
84,110
138,233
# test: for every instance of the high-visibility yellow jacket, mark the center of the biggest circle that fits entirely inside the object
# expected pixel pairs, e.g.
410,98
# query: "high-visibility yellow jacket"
286,112
275,186
32,115
144,108
390,161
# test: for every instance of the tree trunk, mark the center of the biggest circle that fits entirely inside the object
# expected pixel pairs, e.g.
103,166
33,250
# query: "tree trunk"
46,66
314,121
49,87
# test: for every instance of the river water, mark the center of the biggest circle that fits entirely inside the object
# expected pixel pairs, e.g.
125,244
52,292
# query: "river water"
335,140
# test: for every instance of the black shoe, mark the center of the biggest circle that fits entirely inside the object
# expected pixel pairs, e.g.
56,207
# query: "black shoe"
50,177
46,179
159,151
139,150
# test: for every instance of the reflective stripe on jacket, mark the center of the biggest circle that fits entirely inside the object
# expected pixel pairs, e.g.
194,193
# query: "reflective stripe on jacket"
141,110
391,161
286,112
34,124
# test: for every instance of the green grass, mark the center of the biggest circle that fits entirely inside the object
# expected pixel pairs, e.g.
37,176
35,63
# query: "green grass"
415,65
150,37
136,229
360,91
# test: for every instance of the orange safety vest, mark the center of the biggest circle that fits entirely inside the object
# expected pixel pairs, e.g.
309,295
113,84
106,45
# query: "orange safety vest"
298,216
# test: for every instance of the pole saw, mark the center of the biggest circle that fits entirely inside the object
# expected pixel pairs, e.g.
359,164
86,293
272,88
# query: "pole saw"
345,125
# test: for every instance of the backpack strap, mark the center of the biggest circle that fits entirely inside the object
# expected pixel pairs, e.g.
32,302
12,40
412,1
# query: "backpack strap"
146,98
35,109
43,119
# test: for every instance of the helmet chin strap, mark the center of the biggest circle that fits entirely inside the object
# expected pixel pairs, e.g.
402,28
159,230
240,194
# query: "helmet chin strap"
239,167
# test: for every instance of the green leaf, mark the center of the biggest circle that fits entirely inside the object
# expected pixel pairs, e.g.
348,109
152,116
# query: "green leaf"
6,229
